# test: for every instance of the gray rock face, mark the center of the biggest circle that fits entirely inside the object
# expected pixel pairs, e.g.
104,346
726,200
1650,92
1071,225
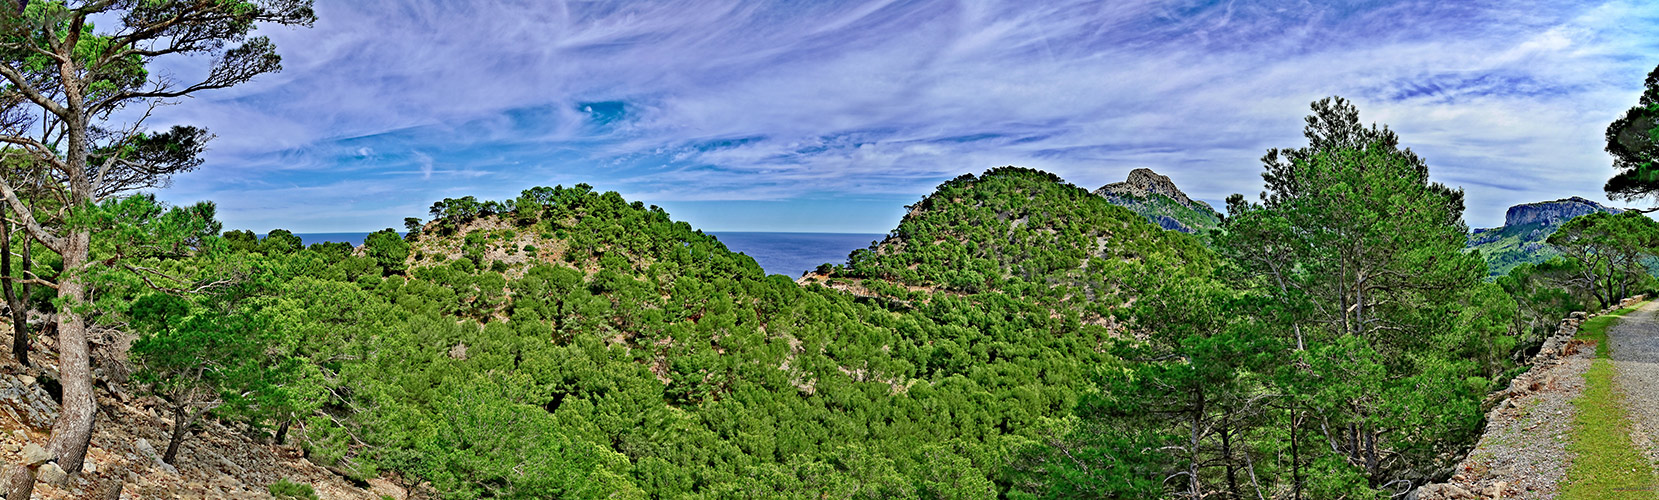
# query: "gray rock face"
1143,182
33,454
52,474
143,446
26,402
1553,212
1141,194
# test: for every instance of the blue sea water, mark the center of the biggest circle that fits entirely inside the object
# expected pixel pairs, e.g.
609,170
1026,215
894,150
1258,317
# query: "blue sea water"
793,254
778,253
355,239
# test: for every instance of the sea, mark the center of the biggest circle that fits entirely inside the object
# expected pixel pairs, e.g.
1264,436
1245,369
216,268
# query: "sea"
794,254
791,254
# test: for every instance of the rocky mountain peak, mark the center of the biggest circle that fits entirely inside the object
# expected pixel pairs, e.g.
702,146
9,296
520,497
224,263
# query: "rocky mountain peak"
1145,192
1552,212
1144,182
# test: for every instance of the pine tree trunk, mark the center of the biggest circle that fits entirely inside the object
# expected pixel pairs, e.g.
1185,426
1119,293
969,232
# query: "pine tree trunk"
180,425
72,431
282,431
1295,458
20,311
20,483
1227,459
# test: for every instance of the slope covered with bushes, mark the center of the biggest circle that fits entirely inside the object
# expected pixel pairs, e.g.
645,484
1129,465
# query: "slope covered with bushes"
1015,336
596,346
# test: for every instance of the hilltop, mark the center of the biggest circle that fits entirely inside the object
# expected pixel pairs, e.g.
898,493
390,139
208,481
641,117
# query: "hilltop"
1155,197
1026,233
1521,238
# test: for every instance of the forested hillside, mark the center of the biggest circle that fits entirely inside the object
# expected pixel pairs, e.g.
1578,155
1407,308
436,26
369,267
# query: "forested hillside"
1015,336
579,344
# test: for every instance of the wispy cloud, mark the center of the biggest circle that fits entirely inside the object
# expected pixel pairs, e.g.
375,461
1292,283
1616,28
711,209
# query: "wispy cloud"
869,102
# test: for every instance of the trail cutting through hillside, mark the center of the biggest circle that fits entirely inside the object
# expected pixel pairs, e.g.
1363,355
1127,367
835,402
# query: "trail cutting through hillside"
1634,341
1581,424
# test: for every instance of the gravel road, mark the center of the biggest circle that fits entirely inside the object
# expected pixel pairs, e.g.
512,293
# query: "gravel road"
1635,343
1523,452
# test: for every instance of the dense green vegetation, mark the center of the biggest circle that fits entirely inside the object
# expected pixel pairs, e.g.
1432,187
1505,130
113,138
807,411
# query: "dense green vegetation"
631,353
1610,252
1015,336
1506,248
1342,352
1633,141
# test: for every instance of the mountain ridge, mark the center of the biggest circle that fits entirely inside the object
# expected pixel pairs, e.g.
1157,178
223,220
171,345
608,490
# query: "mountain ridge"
1155,196
1521,239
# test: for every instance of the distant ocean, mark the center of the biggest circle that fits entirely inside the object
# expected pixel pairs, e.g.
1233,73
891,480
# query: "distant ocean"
355,239
778,253
793,254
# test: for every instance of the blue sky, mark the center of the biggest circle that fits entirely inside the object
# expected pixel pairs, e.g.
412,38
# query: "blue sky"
830,116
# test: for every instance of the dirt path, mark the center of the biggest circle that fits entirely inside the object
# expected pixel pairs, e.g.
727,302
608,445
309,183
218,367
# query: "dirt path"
1612,445
1635,343
1522,453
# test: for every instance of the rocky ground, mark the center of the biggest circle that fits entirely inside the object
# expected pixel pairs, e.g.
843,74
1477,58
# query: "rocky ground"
124,460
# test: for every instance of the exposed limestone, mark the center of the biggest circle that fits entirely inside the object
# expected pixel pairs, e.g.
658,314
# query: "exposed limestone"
1156,198
33,455
1553,212
1143,182
52,474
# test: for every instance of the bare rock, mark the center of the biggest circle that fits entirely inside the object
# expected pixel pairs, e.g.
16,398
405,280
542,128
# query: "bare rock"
230,467
33,455
27,403
386,488
1442,492
144,448
52,474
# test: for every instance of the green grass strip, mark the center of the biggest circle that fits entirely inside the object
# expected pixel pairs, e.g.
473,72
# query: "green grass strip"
1606,463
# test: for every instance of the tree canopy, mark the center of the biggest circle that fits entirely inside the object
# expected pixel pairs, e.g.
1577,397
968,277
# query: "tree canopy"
1633,140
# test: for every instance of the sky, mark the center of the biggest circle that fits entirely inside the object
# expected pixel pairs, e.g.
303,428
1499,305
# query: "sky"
820,116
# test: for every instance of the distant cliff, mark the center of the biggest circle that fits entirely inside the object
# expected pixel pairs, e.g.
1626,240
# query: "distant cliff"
1553,213
1521,239
1155,197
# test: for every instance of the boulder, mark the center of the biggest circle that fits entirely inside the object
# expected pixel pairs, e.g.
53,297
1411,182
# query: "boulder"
385,488
34,455
144,447
52,474
1441,492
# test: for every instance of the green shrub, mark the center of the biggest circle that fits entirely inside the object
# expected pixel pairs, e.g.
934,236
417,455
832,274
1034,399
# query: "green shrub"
284,489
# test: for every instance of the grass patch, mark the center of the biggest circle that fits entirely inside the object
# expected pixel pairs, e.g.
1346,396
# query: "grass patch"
1595,330
1606,464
